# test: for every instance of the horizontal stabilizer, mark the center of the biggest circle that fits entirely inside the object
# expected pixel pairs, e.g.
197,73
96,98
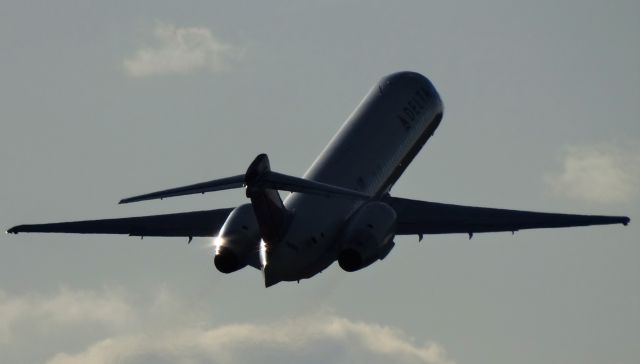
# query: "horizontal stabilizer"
209,186
268,179
279,181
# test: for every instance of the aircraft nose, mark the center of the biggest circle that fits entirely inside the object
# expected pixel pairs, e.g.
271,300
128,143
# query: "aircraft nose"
405,77
405,80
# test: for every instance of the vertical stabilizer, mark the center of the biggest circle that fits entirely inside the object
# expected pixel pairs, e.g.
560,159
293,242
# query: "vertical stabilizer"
267,204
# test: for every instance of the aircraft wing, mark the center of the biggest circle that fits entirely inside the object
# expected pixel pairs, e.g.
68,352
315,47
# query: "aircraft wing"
188,224
423,217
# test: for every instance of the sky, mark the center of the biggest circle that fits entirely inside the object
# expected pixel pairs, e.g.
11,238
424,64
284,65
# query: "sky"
103,100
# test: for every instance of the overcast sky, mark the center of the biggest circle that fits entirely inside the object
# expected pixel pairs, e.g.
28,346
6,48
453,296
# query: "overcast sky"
103,100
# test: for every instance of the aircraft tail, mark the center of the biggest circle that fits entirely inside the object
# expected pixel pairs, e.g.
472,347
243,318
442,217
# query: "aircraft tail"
262,187
258,174
267,204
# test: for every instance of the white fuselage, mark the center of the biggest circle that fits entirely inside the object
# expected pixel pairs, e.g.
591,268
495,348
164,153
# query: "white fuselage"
368,154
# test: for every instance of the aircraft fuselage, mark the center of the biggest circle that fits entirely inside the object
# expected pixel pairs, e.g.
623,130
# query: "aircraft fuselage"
368,154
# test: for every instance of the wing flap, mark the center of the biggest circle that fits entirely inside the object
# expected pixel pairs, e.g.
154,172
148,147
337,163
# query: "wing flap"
423,217
187,224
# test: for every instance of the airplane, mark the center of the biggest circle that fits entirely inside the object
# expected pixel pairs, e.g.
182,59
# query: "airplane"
341,209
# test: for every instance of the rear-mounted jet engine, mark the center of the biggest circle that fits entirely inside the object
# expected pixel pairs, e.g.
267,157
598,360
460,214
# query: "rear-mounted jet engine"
368,236
238,243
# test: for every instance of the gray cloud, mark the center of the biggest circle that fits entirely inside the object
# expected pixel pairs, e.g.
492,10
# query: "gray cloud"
602,173
180,51
160,331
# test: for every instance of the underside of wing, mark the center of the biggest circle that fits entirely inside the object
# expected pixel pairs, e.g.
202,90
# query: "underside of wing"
423,217
187,224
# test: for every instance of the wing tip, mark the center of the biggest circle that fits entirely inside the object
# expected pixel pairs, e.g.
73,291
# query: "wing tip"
140,198
130,200
13,230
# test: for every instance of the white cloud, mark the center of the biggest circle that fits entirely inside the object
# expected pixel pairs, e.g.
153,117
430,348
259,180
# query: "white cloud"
181,50
168,329
326,339
65,308
600,174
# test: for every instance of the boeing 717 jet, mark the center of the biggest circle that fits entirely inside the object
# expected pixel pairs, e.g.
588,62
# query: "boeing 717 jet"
341,209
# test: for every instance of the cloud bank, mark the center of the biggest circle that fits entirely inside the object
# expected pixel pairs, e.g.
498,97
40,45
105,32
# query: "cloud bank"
598,174
180,51
160,332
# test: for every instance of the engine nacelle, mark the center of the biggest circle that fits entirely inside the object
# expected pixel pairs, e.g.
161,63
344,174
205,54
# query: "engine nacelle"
238,241
368,236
